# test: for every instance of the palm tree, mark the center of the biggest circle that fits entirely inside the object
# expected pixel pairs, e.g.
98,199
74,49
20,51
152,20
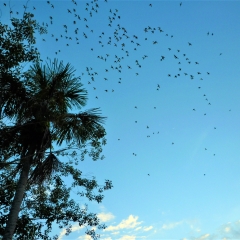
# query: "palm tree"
42,117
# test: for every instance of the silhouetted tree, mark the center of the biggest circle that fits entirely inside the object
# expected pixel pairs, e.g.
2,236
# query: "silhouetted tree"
35,117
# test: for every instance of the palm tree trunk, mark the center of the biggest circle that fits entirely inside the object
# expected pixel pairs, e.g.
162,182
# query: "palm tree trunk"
17,201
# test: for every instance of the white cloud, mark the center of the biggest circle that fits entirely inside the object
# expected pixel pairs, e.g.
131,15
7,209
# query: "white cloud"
227,229
105,217
205,236
115,233
127,237
225,232
171,225
147,228
62,233
130,222
75,227
85,237
230,230
138,228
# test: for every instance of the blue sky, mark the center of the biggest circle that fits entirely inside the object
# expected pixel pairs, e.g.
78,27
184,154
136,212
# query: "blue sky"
185,134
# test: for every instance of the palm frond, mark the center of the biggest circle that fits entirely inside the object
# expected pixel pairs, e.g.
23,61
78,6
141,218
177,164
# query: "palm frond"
63,80
81,127
54,89
44,169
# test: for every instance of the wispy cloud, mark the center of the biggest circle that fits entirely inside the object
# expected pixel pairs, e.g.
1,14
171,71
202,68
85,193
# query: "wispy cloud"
105,217
138,228
75,227
171,225
85,237
127,237
127,229
147,228
225,232
130,222
205,236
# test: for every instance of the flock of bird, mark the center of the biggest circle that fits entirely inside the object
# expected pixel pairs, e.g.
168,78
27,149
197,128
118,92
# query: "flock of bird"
116,36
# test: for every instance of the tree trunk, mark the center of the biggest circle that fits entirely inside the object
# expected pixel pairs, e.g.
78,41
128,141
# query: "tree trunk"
17,201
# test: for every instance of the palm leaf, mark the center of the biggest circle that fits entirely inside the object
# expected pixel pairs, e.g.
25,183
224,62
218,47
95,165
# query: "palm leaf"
82,126
44,169
57,84
50,89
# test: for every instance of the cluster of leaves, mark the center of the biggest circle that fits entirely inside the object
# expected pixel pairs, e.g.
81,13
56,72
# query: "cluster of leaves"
51,203
17,42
